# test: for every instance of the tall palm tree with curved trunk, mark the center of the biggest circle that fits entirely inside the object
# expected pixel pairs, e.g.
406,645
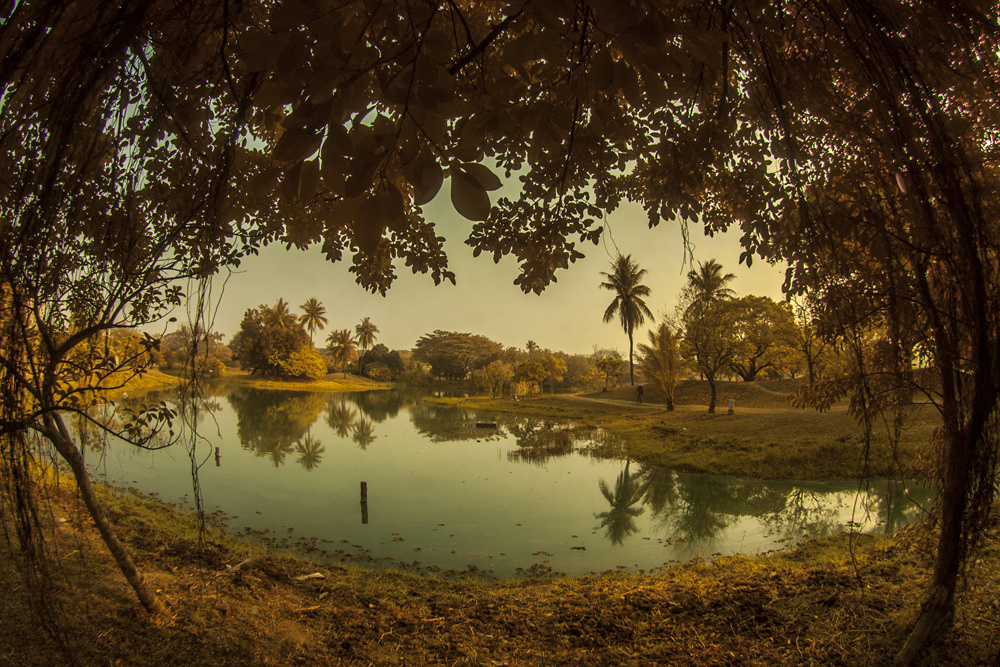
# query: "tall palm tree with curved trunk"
343,348
365,335
625,280
313,317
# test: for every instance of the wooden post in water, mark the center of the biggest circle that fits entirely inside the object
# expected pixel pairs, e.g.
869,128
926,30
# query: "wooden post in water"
218,461
364,502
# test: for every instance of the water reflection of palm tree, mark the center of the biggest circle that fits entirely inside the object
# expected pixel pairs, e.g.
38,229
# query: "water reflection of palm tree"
619,521
310,452
364,433
340,416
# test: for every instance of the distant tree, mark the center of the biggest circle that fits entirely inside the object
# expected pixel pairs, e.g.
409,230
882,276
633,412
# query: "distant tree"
609,365
708,284
270,343
532,347
625,281
280,315
530,373
581,373
379,363
304,363
661,360
365,333
188,350
343,348
710,341
709,321
312,317
493,378
765,335
814,347
454,355
555,369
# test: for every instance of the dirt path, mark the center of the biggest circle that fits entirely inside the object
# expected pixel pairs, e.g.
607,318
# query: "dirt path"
721,408
645,407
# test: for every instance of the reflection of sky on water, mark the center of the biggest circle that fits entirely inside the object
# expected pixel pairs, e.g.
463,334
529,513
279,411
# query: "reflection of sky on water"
449,488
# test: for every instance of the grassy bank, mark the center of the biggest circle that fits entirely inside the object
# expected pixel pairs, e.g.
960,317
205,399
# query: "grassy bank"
229,603
763,438
155,380
332,382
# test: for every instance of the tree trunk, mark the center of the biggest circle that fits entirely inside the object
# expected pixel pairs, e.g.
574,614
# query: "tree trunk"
631,369
959,476
939,607
711,400
57,434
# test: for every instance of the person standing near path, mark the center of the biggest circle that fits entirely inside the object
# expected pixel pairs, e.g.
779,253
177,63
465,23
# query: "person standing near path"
639,391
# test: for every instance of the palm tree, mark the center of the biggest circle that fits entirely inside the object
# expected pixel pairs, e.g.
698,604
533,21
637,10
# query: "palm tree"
624,281
661,360
280,315
312,317
366,336
707,284
343,348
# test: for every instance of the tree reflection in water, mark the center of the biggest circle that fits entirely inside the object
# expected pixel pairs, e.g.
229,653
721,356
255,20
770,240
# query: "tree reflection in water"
537,441
619,521
439,423
382,405
702,510
363,433
697,508
271,423
897,503
340,415
310,452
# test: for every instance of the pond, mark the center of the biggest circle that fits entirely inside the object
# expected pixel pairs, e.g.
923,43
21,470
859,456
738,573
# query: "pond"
453,491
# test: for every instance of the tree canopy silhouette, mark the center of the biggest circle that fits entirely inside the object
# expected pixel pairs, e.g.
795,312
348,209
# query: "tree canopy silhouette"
145,142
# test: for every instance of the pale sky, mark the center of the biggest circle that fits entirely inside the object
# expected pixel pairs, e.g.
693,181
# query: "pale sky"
566,317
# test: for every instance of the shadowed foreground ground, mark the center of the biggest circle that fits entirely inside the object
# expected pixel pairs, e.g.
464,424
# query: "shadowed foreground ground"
807,606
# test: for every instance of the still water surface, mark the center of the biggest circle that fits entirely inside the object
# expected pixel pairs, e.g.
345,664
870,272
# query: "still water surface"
447,494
